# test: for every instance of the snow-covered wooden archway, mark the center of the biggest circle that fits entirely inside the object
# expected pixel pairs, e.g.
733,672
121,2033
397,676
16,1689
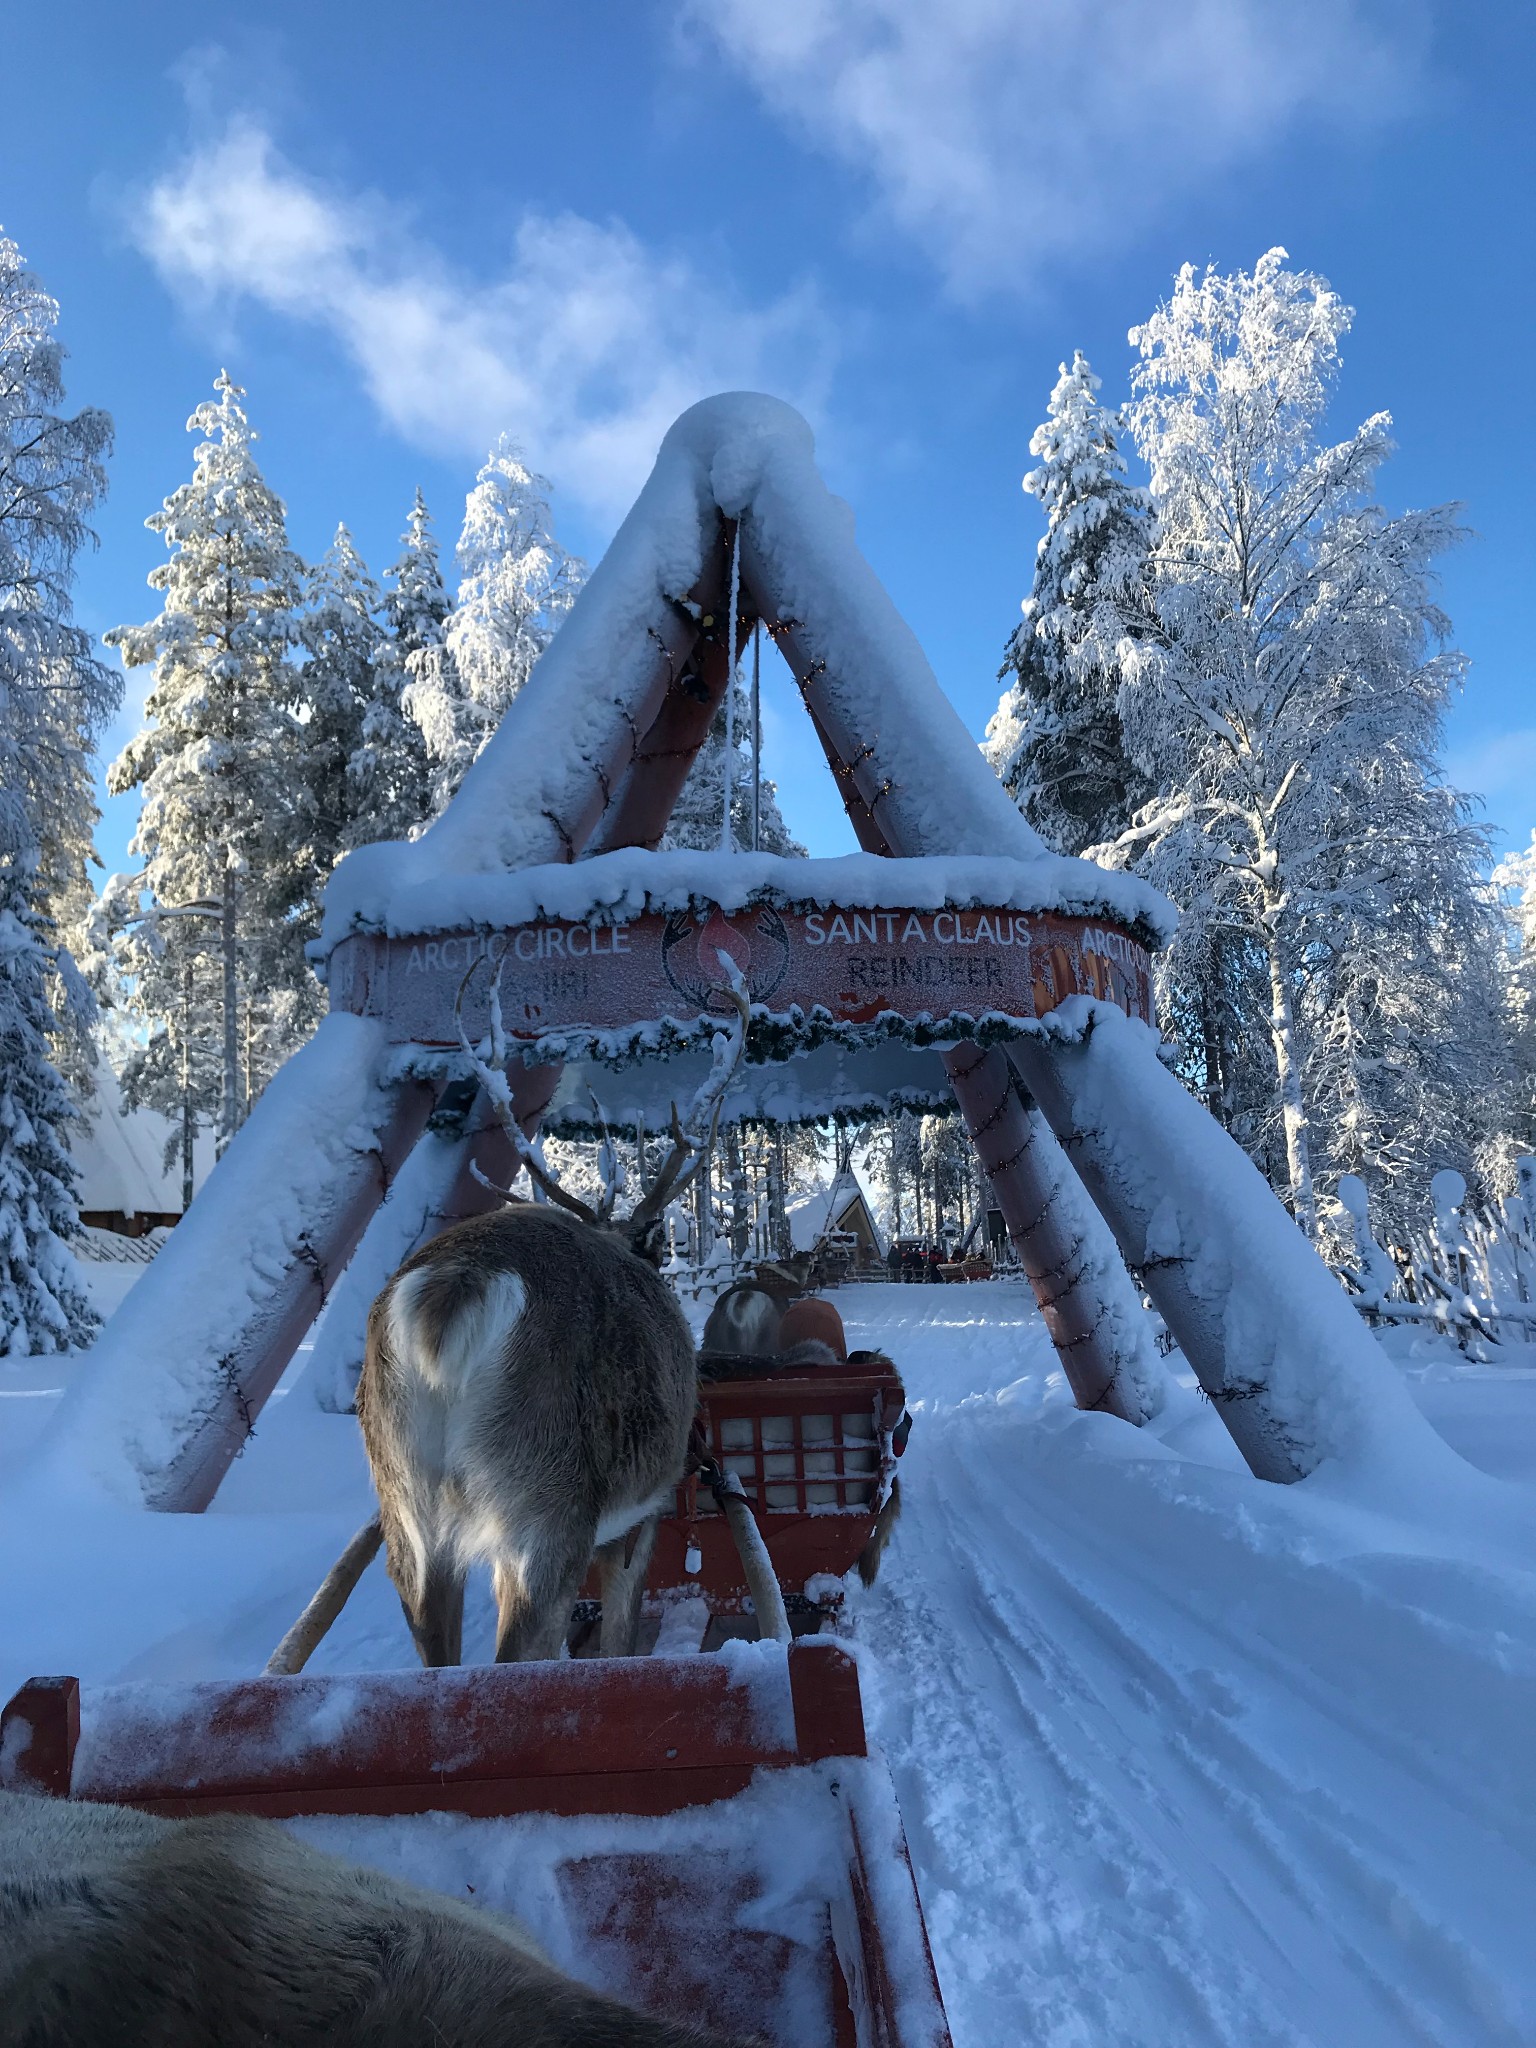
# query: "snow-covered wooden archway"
588,763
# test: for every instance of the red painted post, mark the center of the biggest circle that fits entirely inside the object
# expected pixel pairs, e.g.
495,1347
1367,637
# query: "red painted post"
829,1711
1049,1247
39,1733
188,1484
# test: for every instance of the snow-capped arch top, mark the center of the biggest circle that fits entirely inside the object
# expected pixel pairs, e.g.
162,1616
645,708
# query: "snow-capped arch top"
537,791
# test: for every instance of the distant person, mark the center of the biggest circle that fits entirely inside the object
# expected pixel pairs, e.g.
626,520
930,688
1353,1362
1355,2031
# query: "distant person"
893,1260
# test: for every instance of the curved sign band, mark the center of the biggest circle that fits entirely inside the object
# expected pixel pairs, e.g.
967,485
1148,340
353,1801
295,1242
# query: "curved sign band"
853,965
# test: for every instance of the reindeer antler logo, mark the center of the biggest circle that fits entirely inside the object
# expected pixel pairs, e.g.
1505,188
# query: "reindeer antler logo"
757,942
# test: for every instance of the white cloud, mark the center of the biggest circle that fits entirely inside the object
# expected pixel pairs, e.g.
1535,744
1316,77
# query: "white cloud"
1008,135
586,347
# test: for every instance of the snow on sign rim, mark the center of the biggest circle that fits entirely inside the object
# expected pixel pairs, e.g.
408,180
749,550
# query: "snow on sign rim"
828,971
614,887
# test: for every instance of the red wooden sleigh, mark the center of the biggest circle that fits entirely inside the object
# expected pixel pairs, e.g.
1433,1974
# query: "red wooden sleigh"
677,1786
815,1451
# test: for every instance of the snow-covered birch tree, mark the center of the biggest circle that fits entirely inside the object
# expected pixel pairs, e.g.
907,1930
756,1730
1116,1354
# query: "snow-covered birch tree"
225,814
1286,698
1055,738
1514,888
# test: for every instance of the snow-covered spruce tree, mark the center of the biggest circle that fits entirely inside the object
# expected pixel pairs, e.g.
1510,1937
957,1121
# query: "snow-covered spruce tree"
1055,738
171,1061
435,702
225,815
389,770
56,696
343,640
1286,699
43,1306
516,585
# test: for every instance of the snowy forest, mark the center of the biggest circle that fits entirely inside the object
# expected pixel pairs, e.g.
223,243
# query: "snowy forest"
1230,678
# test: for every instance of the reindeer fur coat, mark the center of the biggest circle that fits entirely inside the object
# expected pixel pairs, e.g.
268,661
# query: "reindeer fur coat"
119,1930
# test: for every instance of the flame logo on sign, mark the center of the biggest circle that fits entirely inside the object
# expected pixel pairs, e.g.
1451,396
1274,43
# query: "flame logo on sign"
691,949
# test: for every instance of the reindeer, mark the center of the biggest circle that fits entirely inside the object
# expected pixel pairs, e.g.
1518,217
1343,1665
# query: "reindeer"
527,1392
744,1318
118,1927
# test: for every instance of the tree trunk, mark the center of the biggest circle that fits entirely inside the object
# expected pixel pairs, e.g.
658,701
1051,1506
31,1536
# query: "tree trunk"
1282,1031
1215,1093
229,1121
736,1175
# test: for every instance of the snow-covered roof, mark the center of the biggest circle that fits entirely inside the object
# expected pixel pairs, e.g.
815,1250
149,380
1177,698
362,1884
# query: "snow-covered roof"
748,457
814,1214
119,1154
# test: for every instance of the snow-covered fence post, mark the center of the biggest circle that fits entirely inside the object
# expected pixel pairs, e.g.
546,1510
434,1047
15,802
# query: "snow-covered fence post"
1447,1192
1452,1261
1520,1225
1271,1336
1374,1278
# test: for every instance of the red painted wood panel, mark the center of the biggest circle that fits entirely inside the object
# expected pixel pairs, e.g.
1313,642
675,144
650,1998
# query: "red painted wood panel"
855,964
315,1737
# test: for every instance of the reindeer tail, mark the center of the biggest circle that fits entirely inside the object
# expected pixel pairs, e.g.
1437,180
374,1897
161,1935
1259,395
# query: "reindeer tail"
880,1535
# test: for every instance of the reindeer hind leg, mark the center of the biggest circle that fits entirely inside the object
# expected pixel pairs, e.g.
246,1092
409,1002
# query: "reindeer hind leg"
623,1585
437,1619
880,1535
536,1589
429,1578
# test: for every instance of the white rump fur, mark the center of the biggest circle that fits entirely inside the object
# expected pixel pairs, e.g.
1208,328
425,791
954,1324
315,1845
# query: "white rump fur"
525,1400
446,1391
477,1334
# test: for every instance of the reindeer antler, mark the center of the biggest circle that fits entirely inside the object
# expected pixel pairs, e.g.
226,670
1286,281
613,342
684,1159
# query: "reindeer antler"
498,1094
689,1148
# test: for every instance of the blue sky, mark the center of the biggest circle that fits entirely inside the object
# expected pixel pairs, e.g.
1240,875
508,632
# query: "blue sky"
404,229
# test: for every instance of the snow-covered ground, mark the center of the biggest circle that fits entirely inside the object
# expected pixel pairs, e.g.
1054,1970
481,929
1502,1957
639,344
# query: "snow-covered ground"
1184,1758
